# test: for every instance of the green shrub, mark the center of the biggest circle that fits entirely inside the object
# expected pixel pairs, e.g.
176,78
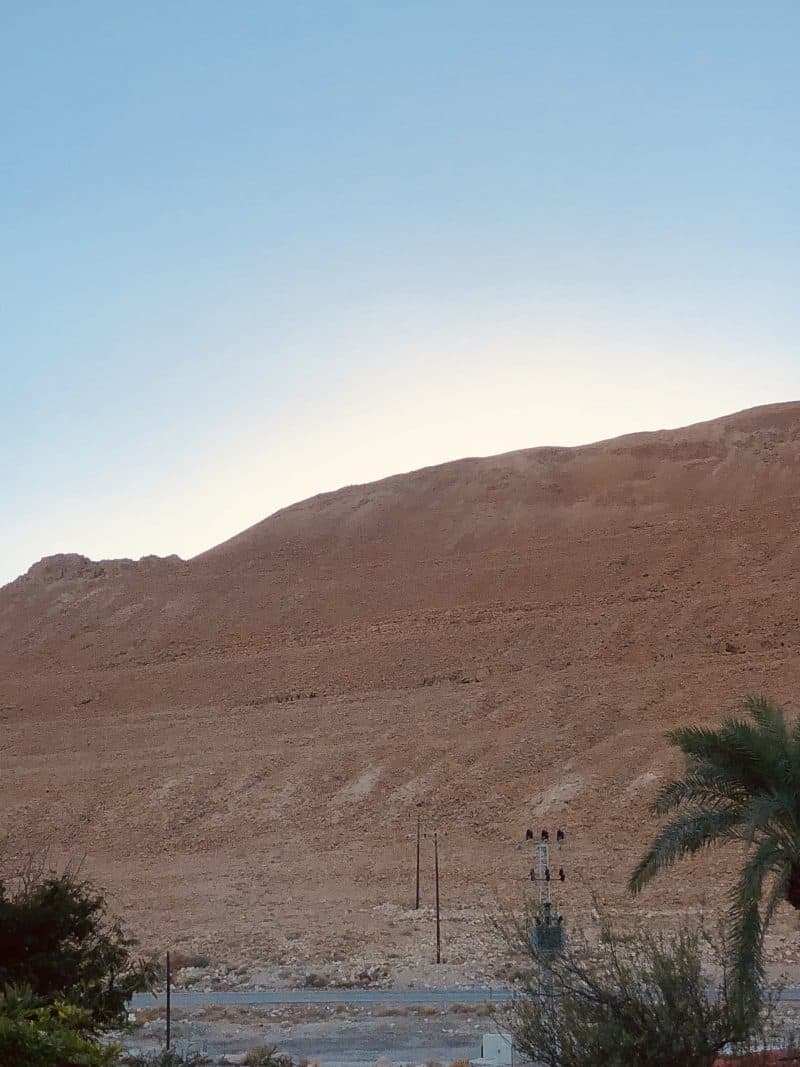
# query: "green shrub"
33,1034
56,937
638,1001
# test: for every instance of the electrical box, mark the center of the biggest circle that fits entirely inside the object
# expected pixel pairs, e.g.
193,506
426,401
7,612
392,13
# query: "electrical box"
497,1050
549,938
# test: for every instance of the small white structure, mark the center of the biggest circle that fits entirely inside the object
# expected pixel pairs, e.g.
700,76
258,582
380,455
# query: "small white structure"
497,1050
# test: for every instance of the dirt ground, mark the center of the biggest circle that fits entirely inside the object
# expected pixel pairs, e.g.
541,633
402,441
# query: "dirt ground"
348,1036
332,1036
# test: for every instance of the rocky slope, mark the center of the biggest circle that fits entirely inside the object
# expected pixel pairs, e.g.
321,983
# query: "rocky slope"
240,744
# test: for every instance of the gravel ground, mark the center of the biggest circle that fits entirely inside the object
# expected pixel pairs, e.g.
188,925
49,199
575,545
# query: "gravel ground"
330,1035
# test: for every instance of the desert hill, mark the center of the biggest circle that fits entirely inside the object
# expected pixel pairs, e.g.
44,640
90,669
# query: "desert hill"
240,744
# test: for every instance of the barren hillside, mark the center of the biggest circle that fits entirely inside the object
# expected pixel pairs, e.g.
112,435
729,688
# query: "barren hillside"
240,744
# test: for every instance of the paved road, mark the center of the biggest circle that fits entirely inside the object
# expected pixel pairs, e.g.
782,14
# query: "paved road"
366,997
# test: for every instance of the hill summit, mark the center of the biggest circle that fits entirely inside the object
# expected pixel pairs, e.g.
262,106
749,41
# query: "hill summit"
245,740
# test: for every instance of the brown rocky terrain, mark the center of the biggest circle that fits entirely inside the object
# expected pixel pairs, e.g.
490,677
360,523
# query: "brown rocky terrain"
240,744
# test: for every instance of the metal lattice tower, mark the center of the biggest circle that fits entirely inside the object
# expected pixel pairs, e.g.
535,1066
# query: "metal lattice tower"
548,931
547,934
542,868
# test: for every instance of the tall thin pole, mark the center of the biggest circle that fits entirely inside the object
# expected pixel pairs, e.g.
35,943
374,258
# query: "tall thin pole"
416,899
169,1004
438,921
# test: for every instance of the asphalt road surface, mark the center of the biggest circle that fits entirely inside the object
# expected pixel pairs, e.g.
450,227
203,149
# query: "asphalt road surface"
365,997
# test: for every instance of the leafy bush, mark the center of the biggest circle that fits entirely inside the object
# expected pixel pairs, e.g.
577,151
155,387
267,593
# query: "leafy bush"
639,1001
56,938
33,1034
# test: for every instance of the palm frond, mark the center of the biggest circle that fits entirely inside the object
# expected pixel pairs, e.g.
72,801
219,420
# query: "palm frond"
770,719
698,742
702,784
757,755
777,894
794,747
686,834
747,928
763,814
747,939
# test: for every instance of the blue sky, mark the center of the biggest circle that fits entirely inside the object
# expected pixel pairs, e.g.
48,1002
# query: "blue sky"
253,251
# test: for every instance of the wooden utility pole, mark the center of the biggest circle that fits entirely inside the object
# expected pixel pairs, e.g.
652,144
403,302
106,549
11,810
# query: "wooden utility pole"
416,900
438,922
169,1005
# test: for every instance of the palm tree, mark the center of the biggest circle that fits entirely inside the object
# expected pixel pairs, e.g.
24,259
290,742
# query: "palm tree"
741,784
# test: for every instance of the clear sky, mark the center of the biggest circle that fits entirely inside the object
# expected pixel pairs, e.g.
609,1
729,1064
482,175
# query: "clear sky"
256,250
